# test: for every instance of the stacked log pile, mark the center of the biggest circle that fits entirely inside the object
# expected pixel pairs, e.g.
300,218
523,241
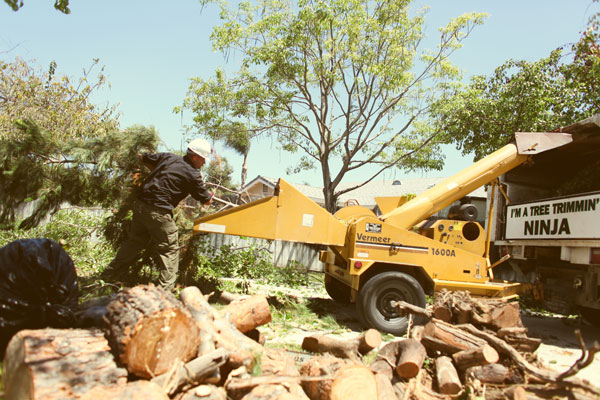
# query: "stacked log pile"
153,346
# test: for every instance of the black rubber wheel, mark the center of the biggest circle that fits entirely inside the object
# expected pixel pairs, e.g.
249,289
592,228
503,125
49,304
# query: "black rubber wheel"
374,301
337,290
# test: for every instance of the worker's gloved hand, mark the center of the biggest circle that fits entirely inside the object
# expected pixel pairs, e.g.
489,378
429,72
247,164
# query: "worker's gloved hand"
209,200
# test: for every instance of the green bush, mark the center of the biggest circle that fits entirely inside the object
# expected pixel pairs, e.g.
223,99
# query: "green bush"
250,262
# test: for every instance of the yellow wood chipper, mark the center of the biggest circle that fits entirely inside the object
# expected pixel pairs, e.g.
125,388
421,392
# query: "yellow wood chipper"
401,254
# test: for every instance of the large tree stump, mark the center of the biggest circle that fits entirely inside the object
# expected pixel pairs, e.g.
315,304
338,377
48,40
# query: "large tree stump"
58,364
138,390
343,379
150,330
247,314
347,348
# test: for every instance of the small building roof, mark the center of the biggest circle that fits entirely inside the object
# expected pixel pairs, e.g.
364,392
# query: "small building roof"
365,195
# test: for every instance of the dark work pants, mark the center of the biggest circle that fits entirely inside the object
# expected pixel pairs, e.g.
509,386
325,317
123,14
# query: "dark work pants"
150,226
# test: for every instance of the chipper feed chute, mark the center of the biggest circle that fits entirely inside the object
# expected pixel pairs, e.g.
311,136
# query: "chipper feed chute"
288,215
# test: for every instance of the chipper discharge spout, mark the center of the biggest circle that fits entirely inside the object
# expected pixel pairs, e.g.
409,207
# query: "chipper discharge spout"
288,215
480,173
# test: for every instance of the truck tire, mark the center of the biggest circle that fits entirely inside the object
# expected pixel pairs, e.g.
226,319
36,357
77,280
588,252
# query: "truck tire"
339,292
374,301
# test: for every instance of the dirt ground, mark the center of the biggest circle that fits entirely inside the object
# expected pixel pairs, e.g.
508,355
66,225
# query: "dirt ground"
558,351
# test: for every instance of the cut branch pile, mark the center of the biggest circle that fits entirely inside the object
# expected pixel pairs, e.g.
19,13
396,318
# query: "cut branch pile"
480,343
154,346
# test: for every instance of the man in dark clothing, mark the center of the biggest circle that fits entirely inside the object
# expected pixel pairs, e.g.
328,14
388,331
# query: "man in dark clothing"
171,180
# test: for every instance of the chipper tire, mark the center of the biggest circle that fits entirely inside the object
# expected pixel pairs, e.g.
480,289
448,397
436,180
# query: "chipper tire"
339,292
374,301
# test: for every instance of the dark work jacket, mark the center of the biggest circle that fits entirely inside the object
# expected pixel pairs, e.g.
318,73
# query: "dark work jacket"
172,178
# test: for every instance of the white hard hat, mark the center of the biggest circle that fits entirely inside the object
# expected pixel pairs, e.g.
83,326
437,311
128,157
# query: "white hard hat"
200,147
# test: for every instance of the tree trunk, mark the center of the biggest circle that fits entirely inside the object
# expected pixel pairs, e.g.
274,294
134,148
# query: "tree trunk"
349,348
34,357
411,357
447,378
483,355
249,313
150,330
138,390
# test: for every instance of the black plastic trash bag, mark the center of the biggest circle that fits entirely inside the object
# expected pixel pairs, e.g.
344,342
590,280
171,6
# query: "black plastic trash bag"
38,287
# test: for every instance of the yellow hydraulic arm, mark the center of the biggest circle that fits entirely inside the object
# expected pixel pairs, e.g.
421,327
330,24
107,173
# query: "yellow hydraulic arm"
480,173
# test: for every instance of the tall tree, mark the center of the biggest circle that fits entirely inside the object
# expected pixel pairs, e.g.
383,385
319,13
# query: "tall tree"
56,146
343,81
523,96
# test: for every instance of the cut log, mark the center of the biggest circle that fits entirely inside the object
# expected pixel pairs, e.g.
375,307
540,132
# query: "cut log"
385,389
483,355
33,358
523,343
248,313
448,381
346,348
191,373
448,339
506,316
493,374
279,362
242,349
442,308
386,360
410,359
345,379
149,330
271,392
138,390
203,392
353,382
512,331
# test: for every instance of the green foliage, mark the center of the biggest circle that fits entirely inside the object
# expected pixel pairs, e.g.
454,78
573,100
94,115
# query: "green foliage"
56,147
83,171
80,233
60,5
341,81
523,96
243,263
56,103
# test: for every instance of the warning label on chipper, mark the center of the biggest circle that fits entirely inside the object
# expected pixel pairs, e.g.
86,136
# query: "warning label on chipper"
565,218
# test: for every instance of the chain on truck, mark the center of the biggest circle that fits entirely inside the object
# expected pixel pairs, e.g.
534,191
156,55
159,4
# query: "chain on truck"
405,252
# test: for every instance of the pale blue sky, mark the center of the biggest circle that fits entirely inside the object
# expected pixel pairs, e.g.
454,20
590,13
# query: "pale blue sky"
151,48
